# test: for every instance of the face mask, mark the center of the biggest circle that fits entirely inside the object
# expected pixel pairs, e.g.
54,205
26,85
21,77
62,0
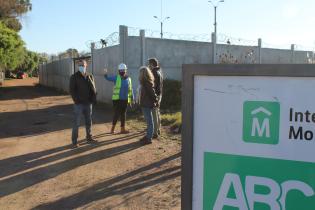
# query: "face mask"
122,73
82,69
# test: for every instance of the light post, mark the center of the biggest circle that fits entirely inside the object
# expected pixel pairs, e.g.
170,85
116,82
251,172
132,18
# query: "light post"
161,20
215,4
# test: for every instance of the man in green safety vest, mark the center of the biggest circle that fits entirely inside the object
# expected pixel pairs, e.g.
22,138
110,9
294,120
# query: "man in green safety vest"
122,96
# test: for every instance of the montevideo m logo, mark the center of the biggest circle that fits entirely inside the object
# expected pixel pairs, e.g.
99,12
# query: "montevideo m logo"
261,120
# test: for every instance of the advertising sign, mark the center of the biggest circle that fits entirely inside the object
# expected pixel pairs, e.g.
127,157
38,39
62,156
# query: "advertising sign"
253,143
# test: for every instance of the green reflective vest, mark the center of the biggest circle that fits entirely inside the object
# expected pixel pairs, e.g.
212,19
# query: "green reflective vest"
117,86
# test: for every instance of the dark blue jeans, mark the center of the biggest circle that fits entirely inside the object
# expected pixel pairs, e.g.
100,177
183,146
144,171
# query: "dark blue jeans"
147,112
86,110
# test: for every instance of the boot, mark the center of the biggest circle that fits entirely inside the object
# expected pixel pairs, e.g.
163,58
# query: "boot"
123,130
112,130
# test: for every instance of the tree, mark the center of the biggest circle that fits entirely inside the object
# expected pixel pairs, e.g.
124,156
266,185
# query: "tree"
43,57
12,50
31,62
11,10
69,53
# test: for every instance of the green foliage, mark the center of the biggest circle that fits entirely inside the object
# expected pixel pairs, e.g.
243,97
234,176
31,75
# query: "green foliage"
13,24
12,50
43,57
171,99
69,53
31,62
173,120
11,10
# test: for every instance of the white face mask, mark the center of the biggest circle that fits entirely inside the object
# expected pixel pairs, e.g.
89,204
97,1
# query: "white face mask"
82,69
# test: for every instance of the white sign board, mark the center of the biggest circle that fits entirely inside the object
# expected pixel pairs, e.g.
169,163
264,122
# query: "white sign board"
254,143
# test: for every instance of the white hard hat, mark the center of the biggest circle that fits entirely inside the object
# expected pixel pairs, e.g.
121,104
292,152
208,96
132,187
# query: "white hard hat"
122,66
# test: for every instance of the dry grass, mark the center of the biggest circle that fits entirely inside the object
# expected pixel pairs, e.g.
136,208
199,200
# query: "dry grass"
173,120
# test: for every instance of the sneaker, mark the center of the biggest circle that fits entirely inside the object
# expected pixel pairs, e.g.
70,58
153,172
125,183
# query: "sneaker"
124,131
146,141
143,139
112,130
73,146
155,136
89,139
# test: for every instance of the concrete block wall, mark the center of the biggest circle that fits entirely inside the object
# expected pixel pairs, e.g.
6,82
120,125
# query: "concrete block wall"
237,54
172,54
105,58
56,74
275,56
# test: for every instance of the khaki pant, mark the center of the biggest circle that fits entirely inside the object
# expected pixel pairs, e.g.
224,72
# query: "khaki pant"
156,121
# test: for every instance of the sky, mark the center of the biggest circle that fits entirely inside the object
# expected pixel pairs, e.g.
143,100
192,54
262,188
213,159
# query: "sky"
54,26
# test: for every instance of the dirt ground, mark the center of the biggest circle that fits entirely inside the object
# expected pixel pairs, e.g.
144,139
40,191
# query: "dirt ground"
39,169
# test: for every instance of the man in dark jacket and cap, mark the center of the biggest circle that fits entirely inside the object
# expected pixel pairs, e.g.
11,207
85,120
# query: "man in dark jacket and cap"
83,93
158,86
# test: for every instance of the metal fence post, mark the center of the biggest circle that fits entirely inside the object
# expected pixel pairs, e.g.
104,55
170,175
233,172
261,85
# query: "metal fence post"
123,35
214,48
142,47
292,53
259,50
92,56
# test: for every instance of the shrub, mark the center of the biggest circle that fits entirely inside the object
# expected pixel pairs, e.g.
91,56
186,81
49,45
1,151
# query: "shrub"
171,100
173,120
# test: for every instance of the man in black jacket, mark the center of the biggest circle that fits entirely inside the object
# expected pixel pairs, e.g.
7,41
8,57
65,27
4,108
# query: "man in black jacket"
83,93
158,86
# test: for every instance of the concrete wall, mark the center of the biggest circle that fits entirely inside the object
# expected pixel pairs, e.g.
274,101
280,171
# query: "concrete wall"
1,78
105,58
56,74
228,54
275,56
133,59
172,54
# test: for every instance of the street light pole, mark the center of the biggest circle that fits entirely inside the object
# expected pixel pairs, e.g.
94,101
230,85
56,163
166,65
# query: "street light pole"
161,20
161,23
215,20
161,30
215,5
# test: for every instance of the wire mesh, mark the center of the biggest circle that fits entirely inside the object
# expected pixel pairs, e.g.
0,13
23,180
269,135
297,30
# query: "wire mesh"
113,39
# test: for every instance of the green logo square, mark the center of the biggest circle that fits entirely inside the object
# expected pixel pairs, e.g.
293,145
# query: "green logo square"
261,120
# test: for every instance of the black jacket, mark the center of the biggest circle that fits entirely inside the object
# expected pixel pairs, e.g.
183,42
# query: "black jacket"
82,89
158,81
148,98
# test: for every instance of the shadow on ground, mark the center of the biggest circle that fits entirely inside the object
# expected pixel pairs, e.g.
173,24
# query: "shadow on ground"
26,92
21,181
42,120
120,185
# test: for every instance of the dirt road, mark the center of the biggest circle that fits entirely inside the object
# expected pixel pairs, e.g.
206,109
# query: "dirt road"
39,170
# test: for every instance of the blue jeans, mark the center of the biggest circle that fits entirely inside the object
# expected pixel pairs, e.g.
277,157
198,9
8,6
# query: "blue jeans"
147,112
86,110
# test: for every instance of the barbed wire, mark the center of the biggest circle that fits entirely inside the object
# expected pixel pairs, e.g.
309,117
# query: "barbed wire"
113,39
225,39
221,39
110,40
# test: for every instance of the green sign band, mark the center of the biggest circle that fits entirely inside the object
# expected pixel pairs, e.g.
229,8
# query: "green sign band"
233,182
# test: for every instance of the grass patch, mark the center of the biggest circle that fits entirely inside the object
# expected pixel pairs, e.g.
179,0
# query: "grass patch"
174,120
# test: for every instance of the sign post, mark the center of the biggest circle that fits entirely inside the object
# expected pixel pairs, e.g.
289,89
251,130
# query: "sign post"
248,137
